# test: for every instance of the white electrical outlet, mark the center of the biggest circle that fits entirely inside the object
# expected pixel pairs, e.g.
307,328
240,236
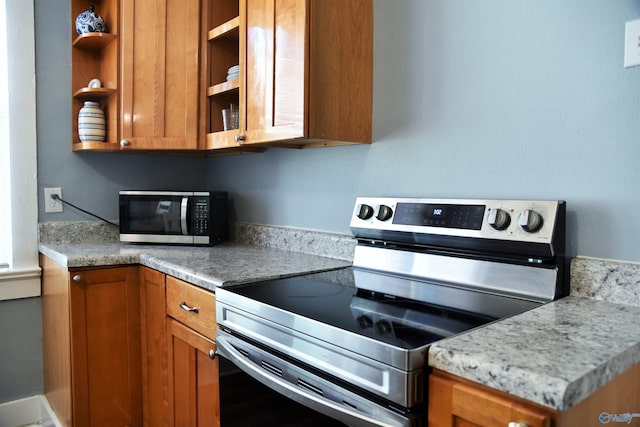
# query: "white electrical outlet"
52,205
632,43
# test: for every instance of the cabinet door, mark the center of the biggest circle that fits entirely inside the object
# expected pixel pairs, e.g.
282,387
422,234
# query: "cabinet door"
154,348
105,347
193,378
275,51
160,74
462,404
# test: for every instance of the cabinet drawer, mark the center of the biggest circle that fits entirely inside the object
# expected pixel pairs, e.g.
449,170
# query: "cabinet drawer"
192,306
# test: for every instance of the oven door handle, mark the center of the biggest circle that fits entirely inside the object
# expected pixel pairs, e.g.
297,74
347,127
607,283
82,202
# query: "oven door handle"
314,401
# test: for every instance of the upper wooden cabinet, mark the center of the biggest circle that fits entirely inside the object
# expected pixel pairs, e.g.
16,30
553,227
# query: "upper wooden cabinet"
149,64
160,43
306,72
96,55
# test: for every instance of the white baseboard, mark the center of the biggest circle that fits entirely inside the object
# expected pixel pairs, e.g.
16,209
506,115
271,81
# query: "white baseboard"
27,412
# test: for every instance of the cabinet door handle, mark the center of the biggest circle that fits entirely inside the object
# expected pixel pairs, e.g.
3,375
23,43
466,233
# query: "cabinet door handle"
212,354
517,424
77,278
185,307
124,143
238,138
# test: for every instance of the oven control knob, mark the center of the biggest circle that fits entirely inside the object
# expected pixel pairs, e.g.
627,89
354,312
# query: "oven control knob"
365,212
384,213
498,219
384,327
530,221
364,321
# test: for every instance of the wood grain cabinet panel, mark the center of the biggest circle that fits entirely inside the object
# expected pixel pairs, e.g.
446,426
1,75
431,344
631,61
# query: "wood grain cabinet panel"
454,401
306,73
160,74
193,366
96,380
193,378
154,344
193,306
309,72
459,403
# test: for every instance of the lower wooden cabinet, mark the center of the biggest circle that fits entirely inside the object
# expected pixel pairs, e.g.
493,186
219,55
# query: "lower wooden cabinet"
91,345
454,401
193,378
155,393
114,356
460,403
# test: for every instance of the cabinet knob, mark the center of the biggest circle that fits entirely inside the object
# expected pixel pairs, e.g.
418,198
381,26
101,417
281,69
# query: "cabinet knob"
124,143
77,278
185,307
212,354
517,424
238,138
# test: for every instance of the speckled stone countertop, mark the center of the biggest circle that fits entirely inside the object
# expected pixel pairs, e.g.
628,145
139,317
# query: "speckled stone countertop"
558,354
207,267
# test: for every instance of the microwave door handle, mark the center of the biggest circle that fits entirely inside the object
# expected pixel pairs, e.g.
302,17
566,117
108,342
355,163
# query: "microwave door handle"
319,403
183,216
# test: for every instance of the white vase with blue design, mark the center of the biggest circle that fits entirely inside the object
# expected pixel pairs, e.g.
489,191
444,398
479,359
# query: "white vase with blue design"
91,123
90,22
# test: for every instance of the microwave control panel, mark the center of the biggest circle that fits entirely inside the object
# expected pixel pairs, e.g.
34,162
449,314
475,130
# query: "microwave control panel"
201,215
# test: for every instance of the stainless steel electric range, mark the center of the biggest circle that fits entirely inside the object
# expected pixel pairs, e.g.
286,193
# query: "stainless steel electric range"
352,343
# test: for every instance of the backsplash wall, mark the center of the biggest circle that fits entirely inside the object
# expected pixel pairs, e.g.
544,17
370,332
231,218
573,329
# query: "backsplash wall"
488,99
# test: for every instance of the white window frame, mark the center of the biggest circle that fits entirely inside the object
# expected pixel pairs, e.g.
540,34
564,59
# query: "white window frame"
22,279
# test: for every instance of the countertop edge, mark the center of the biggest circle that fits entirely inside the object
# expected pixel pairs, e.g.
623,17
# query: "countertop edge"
551,382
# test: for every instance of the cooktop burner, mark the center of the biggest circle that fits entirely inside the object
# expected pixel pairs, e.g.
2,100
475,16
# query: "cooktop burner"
333,298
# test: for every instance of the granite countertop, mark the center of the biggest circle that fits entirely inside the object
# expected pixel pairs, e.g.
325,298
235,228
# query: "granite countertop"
555,355
208,267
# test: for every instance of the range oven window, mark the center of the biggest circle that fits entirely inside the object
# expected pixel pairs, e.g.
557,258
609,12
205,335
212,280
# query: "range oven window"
151,215
245,401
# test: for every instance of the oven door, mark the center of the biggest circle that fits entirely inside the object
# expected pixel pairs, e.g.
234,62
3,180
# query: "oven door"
308,388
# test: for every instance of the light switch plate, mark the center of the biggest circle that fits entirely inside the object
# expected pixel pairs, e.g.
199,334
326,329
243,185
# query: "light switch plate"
632,44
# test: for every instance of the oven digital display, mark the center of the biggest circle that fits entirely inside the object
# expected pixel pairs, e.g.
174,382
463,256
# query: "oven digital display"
467,217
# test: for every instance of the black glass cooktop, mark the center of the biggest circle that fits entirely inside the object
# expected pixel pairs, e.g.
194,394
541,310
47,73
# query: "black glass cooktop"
334,299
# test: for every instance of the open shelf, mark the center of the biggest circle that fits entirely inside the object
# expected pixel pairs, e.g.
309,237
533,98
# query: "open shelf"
222,52
228,29
89,93
223,87
95,146
92,41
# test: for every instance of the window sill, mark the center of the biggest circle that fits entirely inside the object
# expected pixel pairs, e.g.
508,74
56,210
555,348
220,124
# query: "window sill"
15,284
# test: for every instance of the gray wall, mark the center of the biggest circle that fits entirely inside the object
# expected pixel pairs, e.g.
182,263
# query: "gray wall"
493,98
20,348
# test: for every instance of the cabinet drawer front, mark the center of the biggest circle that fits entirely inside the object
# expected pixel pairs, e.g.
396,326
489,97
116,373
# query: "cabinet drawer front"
192,306
485,409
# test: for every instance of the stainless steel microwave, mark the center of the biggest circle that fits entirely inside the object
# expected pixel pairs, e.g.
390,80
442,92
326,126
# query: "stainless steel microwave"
173,217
